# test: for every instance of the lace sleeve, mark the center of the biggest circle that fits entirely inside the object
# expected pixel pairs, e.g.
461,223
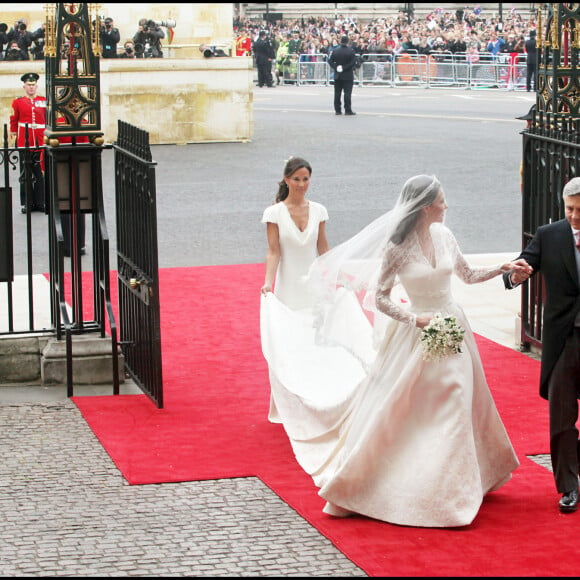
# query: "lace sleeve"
464,271
392,262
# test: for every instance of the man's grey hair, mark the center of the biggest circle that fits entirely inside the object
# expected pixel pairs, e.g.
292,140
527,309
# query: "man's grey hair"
572,187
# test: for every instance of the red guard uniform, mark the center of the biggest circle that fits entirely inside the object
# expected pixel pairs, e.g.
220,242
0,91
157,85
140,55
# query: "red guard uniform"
30,110
33,112
243,45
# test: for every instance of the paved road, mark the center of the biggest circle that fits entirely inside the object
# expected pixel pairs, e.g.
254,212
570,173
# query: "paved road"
66,509
211,196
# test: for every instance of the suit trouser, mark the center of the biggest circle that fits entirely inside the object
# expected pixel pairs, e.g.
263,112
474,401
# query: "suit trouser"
265,73
563,402
343,86
37,181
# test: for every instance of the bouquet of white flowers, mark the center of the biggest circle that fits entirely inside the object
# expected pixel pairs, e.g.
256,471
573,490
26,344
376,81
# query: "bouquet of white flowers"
441,337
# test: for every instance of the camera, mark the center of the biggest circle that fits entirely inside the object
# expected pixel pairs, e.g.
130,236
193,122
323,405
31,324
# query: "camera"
150,24
209,51
143,50
13,54
169,23
22,26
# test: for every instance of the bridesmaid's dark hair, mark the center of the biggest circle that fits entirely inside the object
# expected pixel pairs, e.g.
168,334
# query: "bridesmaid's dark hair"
292,165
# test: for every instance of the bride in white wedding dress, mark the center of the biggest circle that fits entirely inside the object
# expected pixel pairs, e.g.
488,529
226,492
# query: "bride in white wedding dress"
382,431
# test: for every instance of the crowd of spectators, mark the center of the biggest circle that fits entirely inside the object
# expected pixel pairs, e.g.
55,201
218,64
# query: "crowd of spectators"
469,31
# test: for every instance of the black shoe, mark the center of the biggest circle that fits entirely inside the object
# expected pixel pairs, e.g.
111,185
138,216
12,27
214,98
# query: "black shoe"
569,502
83,251
350,113
22,209
338,113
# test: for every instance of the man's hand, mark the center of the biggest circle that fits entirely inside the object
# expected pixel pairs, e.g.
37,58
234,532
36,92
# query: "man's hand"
520,271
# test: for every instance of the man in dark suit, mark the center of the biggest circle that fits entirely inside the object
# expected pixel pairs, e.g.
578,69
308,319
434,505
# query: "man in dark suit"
531,61
343,61
555,252
110,37
265,55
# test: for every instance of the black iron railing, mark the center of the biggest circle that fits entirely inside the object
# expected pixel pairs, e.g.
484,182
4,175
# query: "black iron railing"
137,258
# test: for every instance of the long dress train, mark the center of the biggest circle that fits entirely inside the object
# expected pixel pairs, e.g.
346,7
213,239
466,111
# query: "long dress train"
386,433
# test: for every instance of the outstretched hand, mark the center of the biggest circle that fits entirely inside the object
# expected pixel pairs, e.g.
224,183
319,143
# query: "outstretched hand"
520,270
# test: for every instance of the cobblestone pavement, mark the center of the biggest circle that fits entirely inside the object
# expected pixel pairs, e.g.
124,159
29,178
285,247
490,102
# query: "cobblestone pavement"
66,510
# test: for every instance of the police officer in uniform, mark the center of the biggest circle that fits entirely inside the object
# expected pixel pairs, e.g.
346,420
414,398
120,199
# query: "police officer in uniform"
30,110
265,55
343,61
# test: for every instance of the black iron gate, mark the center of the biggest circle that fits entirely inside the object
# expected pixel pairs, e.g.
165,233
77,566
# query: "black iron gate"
551,157
551,144
137,259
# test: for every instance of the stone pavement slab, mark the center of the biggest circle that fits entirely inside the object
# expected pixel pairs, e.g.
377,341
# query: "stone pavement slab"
67,511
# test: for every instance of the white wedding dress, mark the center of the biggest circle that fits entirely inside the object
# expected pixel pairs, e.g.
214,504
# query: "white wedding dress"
382,432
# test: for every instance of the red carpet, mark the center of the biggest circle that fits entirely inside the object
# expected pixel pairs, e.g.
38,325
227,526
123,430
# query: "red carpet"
215,426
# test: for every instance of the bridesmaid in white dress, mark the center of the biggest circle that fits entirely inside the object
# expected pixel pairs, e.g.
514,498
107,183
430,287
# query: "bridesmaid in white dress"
296,232
397,438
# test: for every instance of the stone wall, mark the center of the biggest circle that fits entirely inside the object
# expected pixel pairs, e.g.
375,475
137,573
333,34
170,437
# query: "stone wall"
175,100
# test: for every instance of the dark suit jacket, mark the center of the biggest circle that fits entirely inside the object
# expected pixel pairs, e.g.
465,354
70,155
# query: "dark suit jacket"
531,50
345,56
551,252
263,50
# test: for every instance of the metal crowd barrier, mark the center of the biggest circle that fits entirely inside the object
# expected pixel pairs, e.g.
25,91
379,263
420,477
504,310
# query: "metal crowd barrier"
437,70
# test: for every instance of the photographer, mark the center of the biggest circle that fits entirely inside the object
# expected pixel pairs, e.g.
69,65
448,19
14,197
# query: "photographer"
3,38
13,52
20,35
128,50
37,48
110,37
147,39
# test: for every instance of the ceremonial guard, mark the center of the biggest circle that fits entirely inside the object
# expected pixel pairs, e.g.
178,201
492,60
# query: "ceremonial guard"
30,110
243,44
